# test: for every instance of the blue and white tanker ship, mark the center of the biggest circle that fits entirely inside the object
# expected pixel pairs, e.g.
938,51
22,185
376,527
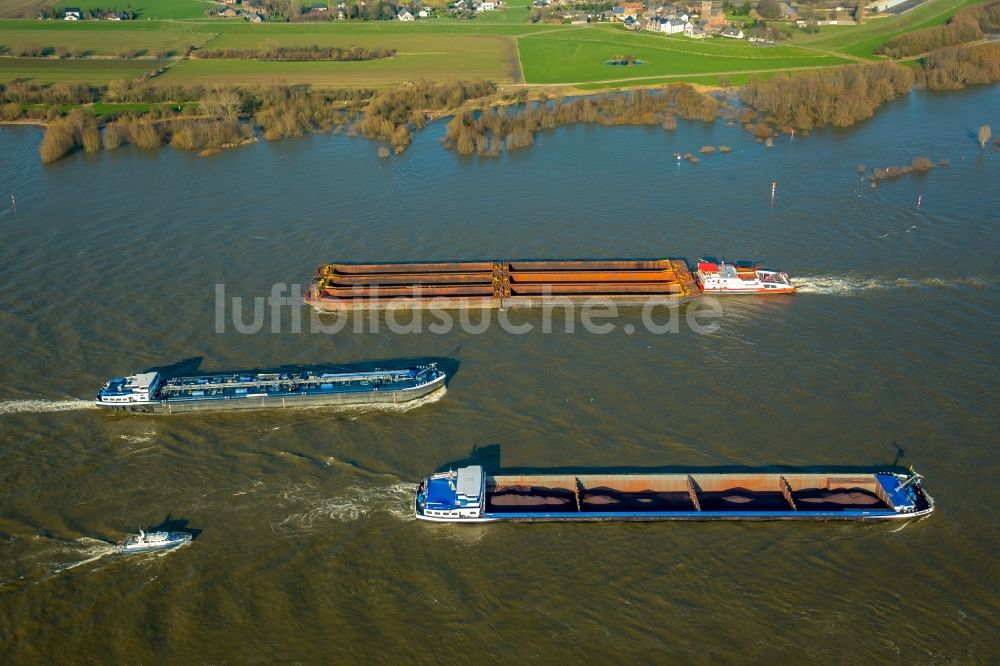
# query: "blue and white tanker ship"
153,393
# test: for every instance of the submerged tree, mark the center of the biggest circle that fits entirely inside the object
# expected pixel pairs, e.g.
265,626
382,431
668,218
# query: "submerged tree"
984,136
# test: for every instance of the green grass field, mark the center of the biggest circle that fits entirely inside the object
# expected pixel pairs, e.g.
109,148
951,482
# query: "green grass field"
110,39
467,57
581,56
488,47
44,70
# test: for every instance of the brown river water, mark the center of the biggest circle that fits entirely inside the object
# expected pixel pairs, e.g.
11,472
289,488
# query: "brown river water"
306,549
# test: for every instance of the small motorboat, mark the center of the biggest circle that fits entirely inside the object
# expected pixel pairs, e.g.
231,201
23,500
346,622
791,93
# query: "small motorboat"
143,541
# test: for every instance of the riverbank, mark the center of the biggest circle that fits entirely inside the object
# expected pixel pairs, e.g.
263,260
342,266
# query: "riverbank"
193,118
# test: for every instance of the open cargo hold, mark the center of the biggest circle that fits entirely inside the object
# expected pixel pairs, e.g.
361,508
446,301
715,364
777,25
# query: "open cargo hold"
469,495
494,284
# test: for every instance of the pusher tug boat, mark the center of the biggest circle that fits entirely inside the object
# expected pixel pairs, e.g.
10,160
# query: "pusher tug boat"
469,495
144,542
152,393
720,277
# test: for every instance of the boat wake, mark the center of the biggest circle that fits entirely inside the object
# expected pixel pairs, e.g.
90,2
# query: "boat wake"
352,504
89,549
846,285
43,406
39,558
390,407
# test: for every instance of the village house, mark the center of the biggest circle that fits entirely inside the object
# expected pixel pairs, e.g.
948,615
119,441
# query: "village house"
669,26
404,15
487,6
72,14
228,12
732,33
626,10
671,11
696,32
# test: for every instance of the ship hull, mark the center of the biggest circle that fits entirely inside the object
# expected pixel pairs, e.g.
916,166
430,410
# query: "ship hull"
746,292
816,516
175,406
468,495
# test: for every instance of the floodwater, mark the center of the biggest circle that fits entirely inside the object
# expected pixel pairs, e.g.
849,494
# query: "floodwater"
306,548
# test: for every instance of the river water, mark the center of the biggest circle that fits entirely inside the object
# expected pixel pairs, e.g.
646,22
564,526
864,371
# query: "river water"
306,547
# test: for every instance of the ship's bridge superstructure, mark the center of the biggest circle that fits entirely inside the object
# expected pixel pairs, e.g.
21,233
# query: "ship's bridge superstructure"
137,388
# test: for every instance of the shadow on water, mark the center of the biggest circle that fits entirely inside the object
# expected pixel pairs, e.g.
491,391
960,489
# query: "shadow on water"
488,457
171,524
190,367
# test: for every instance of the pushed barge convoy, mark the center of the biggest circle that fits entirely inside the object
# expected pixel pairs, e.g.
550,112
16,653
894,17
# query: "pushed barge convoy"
467,495
152,393
495,284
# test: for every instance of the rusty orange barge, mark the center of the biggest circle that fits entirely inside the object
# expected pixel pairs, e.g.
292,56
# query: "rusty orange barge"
496,284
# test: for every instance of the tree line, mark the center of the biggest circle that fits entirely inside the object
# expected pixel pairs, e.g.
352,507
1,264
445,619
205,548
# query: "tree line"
965,26
199,118
491,131
297,53
842,96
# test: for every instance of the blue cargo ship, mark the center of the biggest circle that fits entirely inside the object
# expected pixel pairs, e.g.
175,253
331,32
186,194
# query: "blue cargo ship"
468,495
153,393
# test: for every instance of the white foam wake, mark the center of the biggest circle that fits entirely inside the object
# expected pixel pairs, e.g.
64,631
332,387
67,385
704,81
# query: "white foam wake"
90,550
384,407
842,285
352,504
42,406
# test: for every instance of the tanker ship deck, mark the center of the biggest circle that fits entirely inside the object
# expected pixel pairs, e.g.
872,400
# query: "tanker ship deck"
154,393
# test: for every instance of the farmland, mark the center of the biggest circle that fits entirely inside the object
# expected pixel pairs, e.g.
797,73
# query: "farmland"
64,71
109,39
466,57
500,46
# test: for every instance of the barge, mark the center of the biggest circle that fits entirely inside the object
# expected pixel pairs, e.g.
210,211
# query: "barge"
469,495
498,283
153,393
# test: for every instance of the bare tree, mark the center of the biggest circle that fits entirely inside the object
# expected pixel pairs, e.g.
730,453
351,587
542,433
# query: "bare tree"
221,103
984,136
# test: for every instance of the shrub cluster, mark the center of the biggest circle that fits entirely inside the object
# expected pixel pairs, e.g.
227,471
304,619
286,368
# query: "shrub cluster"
486,133
839,96
958,66
297,53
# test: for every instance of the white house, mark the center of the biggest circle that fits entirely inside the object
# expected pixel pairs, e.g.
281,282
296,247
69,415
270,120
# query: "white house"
72,14
404,16
670,26
487,6
732,33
